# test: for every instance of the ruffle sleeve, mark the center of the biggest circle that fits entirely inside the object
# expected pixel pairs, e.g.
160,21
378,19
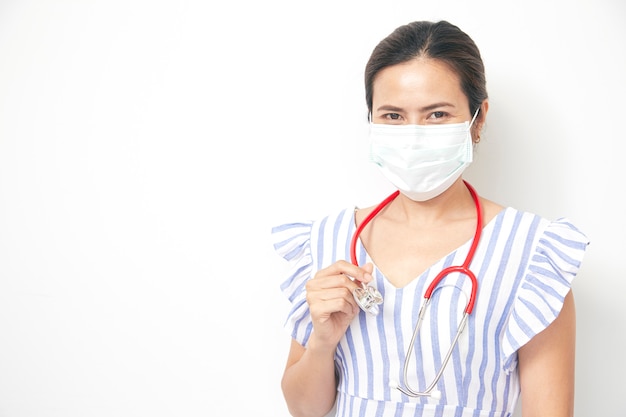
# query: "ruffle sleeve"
551,270
292,241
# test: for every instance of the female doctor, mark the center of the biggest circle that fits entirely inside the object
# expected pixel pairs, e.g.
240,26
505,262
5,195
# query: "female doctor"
426,94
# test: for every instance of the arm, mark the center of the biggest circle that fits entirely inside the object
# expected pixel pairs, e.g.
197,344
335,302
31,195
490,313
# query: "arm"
309,384
546,366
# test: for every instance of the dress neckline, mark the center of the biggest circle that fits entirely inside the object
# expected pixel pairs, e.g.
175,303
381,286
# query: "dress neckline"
486,232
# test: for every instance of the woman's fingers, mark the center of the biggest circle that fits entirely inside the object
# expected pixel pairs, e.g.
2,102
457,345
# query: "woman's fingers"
328,292
333,287
324,281
323,308
368,268
331,301
362,274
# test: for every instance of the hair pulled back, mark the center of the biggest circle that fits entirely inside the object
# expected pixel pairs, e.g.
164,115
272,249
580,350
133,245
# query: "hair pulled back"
442,41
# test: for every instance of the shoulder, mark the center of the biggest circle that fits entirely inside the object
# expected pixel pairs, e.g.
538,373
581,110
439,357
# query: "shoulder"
540,226
490,209
553,252
339,216
299,233
333,228
534,239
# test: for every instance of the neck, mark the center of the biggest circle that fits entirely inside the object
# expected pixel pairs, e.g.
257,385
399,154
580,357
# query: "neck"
456,203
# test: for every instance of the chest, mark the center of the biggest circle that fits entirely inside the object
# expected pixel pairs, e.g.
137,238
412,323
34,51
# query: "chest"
402,253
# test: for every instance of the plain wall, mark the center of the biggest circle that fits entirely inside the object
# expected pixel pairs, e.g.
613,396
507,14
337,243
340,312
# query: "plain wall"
148,147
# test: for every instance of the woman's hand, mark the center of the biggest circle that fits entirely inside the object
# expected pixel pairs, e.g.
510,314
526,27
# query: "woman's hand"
330,299
309,383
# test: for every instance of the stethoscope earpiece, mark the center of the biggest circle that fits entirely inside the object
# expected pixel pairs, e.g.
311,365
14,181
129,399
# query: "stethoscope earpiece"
435,395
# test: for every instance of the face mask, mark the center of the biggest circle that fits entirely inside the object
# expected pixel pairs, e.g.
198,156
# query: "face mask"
421,161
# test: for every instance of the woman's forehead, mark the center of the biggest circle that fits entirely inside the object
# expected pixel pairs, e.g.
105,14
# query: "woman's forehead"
419,82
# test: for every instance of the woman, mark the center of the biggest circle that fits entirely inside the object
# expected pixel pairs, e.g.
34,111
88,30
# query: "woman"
427,100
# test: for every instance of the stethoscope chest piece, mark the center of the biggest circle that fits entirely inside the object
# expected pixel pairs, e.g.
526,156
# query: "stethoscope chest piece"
368,298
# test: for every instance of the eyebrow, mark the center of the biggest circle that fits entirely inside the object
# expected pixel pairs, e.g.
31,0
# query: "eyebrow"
423,109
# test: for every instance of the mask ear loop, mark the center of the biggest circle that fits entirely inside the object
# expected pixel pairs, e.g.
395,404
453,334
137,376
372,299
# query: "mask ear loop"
469,128
474,118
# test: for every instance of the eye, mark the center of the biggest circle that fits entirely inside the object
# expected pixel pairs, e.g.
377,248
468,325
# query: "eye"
438,115
392,117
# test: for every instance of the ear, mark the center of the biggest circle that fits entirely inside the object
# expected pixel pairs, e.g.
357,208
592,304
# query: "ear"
479,123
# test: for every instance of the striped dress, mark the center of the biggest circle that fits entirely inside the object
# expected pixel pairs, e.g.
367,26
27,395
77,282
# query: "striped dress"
524,265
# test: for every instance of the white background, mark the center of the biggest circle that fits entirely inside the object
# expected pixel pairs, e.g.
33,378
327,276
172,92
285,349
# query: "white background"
147,148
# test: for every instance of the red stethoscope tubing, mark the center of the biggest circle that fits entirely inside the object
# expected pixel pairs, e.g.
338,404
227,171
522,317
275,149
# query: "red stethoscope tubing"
463,269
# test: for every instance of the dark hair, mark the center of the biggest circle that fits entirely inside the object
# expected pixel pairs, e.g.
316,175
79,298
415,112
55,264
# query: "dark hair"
436,40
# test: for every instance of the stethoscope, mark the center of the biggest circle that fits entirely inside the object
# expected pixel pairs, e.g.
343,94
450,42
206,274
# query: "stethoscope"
369,298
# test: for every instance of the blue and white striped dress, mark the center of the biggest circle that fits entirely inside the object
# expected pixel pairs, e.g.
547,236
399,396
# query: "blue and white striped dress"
524,265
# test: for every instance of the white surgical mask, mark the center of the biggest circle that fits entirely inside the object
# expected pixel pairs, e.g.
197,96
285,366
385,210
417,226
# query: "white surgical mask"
422,161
